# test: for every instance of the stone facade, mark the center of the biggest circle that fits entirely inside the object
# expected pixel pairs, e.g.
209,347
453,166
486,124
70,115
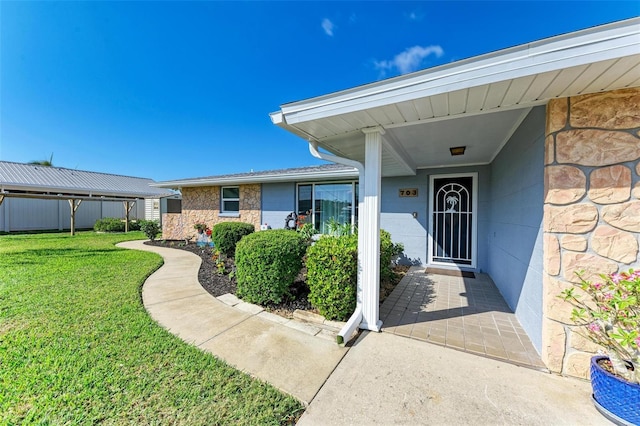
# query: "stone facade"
592,208
172,226
202,205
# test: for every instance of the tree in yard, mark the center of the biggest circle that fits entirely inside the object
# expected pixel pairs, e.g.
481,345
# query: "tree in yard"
46,163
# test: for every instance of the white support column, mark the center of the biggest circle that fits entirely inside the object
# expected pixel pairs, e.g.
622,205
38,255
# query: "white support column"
369,229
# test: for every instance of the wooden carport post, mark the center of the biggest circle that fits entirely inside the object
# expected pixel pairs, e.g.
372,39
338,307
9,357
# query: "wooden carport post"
128,205
73,206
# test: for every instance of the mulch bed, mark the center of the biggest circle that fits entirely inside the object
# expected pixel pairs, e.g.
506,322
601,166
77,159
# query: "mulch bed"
216,275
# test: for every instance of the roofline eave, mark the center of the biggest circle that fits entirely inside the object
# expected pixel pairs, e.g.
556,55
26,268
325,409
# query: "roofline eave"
8,187
237,180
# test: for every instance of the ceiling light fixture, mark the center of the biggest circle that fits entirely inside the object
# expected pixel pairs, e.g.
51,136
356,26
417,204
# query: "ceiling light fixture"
457,150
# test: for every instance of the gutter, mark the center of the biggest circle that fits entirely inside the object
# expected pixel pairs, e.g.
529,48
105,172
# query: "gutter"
356,318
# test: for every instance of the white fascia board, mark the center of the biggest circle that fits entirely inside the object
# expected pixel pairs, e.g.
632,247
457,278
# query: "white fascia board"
585,47
289,177
276,118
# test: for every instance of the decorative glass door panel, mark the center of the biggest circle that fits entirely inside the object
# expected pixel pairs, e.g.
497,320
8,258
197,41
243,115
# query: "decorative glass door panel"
453,221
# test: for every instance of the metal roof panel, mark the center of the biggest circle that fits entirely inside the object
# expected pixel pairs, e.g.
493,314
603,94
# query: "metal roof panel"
36,178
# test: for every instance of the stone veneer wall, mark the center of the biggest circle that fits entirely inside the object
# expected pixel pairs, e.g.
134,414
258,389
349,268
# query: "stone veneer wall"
202,204
592,208
172,226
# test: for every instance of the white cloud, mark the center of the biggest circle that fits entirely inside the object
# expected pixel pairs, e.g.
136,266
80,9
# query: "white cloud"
410,60
415,16
327,26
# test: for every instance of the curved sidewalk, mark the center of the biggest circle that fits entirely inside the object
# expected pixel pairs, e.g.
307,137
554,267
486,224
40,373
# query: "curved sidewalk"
382,379
281,352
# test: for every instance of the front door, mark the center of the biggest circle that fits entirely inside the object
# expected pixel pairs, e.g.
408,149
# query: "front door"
452,236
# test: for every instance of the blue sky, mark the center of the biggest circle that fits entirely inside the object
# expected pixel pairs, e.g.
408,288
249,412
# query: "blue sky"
171,90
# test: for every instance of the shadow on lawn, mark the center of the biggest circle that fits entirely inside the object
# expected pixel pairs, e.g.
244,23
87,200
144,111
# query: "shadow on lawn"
32,256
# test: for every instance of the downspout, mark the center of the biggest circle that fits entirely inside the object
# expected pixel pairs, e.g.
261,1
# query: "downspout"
356,318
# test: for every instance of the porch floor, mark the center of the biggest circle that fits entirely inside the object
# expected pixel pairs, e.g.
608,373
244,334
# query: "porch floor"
467,314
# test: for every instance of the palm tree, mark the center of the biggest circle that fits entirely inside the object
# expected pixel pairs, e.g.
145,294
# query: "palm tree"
46,163
453,200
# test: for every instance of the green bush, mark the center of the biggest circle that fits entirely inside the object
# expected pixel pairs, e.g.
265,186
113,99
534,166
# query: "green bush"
267,263
115,224
151,228
134,225
332,273
388,250
307,231
225,235
109,224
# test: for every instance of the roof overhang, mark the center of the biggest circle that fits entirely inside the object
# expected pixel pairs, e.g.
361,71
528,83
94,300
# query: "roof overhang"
427,112
308,176
46,196
7,188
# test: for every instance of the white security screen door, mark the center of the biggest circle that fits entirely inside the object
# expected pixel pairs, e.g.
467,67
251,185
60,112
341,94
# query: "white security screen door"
453,220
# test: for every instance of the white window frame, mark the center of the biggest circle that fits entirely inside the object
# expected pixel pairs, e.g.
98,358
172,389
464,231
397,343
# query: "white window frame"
354,199
223,211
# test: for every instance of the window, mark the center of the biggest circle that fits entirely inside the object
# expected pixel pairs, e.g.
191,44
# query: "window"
174,205
230,199
323,203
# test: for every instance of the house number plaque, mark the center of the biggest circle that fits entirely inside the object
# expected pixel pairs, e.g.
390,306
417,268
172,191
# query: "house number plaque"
409,192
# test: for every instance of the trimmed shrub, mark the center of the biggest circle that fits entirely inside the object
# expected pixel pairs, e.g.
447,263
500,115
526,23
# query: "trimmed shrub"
332,274
225,235
388,250
151,228
267,263
109,224
115,224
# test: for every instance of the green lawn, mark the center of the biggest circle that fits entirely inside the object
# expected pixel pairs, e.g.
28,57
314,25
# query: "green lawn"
77,346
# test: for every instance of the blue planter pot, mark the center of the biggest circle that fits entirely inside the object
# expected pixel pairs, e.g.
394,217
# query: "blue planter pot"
616,399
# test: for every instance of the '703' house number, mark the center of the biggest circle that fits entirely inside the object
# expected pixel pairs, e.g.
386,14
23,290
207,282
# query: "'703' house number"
409,192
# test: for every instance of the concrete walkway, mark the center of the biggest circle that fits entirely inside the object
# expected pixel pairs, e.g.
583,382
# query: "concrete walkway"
383,379
387,379
295,357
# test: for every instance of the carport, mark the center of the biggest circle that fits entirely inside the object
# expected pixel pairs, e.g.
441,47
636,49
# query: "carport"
36,182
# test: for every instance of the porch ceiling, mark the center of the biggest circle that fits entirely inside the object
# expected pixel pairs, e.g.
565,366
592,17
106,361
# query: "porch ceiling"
477,103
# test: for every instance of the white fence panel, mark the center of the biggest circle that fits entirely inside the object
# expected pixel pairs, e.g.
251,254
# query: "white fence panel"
138,211
87,214
27,214
112,209
4,222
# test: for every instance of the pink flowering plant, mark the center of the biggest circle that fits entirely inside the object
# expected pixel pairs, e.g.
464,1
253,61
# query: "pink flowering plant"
607,312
